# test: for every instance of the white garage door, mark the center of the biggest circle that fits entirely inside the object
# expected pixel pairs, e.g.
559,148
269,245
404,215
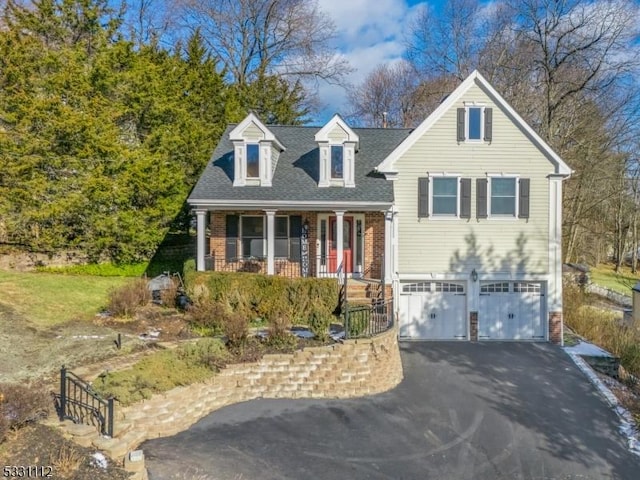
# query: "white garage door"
511,311
433,311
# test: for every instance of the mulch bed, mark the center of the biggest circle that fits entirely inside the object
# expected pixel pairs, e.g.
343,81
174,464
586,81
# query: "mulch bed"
39,445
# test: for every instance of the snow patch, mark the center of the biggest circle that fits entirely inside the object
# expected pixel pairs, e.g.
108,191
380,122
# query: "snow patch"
627,425
99,460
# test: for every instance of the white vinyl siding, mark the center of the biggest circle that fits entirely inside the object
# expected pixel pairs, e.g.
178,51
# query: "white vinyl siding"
253,134
458,245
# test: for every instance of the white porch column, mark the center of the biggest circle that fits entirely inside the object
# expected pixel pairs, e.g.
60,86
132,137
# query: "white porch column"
340,239
271,215
388,245
201,248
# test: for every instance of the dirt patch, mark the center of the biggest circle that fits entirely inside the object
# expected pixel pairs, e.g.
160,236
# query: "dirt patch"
39,445
29,352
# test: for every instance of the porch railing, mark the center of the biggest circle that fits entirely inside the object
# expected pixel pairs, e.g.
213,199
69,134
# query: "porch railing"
366,321
321,266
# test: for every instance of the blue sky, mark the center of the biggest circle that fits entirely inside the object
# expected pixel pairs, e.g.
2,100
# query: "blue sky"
370,32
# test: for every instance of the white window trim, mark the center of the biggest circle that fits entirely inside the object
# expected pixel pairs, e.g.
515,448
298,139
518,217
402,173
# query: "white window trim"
443,216
467,106
508,218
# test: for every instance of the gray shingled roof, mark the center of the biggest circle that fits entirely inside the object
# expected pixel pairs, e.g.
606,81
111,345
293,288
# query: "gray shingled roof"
296,175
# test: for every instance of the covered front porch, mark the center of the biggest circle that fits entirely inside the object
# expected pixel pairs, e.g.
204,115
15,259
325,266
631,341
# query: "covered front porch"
294,243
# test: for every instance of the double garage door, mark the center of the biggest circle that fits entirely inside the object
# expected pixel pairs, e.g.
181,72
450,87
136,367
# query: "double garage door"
438,311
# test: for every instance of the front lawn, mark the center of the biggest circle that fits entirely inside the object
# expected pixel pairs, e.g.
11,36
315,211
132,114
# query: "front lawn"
47,299
606,276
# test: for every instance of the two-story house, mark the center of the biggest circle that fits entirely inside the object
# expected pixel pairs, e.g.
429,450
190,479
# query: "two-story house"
462,214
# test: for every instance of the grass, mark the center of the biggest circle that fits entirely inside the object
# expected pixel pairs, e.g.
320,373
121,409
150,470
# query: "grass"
48,299
100,270
606,276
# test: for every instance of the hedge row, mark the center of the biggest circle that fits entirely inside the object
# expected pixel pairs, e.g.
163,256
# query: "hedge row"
262,296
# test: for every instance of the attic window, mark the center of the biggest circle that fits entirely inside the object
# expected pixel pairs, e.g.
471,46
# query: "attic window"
475,124
337,162
253,161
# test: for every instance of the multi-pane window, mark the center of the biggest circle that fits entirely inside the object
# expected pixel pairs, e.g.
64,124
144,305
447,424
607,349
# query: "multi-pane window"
252,236
337,161
253,161
503,196
445,196
501,287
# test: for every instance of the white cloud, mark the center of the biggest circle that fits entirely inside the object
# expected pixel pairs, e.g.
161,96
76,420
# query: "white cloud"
369,33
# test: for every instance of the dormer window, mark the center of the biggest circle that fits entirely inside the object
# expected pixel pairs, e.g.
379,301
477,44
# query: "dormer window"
337,162
337,145
255,153
253,160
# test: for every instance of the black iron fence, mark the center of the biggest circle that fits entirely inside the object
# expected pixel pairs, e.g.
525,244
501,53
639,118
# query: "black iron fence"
363,321
321,266
79,403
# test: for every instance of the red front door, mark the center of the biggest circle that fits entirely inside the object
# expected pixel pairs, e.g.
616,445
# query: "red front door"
347,232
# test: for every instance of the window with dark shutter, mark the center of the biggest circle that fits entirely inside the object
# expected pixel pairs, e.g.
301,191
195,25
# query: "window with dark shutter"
461,128
488,124
523,200
465,198
423,197
481,197
295,228
231,237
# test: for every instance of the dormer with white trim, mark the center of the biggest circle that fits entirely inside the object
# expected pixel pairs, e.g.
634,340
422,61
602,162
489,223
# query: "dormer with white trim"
255,153
338,145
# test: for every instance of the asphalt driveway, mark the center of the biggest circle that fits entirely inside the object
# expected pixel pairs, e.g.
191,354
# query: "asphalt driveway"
464,411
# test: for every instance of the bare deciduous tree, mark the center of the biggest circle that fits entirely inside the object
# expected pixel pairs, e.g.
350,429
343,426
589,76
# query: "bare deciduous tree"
252,38
388,97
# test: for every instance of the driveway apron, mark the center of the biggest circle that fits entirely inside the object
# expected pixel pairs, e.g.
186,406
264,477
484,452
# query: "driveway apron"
463,411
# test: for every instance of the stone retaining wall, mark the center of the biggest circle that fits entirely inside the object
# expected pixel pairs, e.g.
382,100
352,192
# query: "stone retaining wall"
349,369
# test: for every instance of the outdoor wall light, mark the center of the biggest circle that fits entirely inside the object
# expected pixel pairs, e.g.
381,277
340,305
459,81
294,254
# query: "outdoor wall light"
474,275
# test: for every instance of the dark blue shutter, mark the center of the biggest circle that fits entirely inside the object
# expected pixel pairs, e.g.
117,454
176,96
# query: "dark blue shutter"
481,197
488,124
461,115
295,228
231,237
523,201
465,198
423,197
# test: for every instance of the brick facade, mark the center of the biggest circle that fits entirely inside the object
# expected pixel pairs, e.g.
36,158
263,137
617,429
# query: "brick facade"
555,327
373,241
473,325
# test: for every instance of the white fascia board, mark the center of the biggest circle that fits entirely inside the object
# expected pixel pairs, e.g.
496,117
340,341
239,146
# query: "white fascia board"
236,133
388,163
288,205
322,135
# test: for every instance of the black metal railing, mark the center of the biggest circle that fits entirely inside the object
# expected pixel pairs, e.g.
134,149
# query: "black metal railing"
363,321
79,403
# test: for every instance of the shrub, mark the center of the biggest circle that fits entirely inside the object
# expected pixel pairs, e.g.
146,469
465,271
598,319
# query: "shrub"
164,370
256,295
124,301
21,404
236,329
319,323
601,327
358,321
169,295
67,460
206,317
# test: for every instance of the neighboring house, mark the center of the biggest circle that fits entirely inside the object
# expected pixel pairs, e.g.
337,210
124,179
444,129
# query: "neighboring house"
462,215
